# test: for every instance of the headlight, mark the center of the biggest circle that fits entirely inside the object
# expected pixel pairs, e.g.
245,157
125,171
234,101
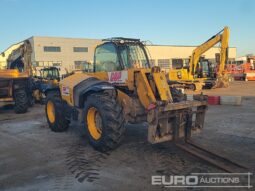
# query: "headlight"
179,75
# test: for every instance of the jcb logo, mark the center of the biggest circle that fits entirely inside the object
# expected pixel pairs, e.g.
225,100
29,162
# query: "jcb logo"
65,91
115,76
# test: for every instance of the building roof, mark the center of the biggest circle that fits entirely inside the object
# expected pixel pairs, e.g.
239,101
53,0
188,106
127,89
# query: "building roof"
180,45
63,38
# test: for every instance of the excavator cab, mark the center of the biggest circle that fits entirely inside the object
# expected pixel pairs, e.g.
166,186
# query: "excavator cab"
204,69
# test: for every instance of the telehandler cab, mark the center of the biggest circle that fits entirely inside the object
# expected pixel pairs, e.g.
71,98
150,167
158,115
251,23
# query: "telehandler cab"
123,88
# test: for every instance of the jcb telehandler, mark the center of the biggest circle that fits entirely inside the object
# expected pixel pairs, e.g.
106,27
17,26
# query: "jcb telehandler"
123,89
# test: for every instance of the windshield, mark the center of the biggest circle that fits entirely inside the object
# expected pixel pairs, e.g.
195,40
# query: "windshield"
133,56
205,67
50,73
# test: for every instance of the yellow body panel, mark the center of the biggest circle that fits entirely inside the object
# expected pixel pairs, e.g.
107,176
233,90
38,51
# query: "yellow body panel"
100,75
9,99
144,91
162,86
13,73
74,79
183,75
67,85
180,74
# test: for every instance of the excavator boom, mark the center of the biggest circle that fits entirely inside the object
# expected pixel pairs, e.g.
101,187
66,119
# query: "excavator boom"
224,49
223,37
196,78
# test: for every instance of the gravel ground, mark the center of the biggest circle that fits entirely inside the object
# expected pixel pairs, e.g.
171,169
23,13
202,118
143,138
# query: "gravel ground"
236,88
32,157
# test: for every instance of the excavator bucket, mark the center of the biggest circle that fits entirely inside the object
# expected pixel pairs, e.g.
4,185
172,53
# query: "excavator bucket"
222,81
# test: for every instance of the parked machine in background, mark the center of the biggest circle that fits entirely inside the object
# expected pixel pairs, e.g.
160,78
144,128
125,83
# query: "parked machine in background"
48,79
16,83
123,88
200,72
249,69
19,77
243,68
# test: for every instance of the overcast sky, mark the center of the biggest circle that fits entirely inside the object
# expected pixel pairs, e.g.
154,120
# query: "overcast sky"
173,22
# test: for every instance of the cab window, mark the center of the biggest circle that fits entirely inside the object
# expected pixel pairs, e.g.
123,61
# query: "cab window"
106,58
133,56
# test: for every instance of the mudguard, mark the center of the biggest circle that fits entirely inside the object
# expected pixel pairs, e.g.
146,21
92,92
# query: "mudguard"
88,86
46,88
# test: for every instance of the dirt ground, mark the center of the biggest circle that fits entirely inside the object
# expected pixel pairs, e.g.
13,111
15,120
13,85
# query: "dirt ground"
236,88
32,157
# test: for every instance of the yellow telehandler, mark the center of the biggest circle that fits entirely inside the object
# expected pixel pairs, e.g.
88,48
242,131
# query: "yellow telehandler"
199,72
123,88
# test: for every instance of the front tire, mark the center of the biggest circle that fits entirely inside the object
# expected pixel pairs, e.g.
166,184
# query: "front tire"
55,114
104,121
21,101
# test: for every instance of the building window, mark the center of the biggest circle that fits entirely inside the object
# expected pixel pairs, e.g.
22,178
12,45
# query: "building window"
56,64
217,57
47,63
52,49
152,62
83,65
177,63
186,62
40,64
164,63
80,49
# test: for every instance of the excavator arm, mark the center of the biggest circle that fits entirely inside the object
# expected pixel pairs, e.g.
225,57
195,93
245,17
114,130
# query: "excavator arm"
223,37
224,49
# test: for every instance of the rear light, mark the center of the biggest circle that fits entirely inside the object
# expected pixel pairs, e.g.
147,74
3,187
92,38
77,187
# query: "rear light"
151,106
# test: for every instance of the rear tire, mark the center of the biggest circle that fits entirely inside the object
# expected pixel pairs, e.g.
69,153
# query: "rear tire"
108,132
31,101
21,101
192,87
54,109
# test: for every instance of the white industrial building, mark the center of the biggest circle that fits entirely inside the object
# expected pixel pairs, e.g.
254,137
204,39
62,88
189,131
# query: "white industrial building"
71,54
